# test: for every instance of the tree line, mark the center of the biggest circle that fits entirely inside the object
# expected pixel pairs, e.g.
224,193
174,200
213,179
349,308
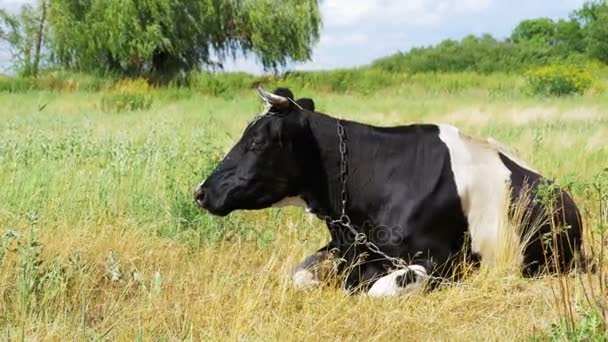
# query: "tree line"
580,38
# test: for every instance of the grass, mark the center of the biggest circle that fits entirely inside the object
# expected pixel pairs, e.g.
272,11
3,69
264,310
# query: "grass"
99,238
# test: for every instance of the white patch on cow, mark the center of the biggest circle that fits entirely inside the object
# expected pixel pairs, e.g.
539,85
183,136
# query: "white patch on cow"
483,183
304,278
295,201
388,286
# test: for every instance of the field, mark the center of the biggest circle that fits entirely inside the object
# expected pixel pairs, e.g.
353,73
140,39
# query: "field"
99,238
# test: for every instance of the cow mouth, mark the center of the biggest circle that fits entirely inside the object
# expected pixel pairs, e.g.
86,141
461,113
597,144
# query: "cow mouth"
204,206
234,199
219,213
201,199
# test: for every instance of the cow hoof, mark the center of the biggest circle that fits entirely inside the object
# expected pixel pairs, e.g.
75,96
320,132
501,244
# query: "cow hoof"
397,283
387,286
304,278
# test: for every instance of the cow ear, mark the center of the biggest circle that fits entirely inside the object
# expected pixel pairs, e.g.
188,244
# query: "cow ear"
306,103
273,100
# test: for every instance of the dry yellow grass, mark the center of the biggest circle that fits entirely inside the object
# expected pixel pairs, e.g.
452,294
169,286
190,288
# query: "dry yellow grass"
237,291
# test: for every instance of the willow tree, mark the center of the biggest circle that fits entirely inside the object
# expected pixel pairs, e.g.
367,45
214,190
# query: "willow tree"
165,36
24,32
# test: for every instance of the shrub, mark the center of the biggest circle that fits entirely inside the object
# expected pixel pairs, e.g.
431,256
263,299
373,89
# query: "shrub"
127,95
590,327
225,84
15,84
66,81
56,80
559,80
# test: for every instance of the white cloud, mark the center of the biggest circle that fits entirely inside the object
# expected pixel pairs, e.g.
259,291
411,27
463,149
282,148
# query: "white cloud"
476,5
345,12
410,13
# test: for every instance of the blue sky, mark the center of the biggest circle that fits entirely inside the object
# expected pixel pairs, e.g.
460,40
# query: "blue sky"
355,32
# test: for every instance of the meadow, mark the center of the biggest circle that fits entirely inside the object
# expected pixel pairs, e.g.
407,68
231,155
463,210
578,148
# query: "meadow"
99,238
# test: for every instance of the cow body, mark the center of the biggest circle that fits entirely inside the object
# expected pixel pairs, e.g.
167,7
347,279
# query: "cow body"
425,194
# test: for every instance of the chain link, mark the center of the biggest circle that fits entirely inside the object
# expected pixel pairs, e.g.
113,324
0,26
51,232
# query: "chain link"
344,220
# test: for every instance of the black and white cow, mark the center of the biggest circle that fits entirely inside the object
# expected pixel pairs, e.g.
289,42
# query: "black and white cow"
427,194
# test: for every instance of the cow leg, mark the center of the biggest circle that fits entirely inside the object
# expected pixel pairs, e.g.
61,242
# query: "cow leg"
399,282
315,269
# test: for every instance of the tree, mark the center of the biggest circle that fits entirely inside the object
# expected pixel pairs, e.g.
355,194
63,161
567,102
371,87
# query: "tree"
593,17
539,31
589,12
25,33
143,37
569,36
597,36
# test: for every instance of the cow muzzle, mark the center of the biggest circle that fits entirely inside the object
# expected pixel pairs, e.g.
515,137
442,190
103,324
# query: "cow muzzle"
205,200
199,195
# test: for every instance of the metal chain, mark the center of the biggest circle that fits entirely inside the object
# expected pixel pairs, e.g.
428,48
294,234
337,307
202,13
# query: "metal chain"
344,220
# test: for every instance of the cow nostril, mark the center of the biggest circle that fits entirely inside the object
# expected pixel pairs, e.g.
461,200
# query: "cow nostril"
199,195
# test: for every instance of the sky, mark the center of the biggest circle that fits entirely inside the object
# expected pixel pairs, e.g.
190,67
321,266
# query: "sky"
355,32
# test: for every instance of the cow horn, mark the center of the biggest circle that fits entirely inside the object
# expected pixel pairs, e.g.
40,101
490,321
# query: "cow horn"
273,99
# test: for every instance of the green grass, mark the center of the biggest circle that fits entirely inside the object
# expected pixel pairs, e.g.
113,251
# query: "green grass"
85,193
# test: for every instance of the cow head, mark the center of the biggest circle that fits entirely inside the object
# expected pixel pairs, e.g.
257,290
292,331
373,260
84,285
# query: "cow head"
263,167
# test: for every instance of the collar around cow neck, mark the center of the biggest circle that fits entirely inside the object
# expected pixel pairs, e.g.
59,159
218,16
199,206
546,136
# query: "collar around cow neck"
342,216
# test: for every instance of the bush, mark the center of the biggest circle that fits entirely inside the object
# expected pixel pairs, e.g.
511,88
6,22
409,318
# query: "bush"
224,84
483,54
56,80
66,81
559,80
127,95
590,327
15,84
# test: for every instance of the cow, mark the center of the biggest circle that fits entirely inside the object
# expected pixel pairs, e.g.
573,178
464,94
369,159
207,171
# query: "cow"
405,206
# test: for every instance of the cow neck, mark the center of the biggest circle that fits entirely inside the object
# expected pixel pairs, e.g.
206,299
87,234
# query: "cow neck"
324,195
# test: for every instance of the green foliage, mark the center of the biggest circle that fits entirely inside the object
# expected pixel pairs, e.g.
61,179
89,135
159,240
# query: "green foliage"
15,84
561,37
559,80
147,176
480,54
537,31
597,34
569,37
225,84
365,81
62,80
588,13
30,275
163,38
25,33
127,95
590,321
56,80
590,327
